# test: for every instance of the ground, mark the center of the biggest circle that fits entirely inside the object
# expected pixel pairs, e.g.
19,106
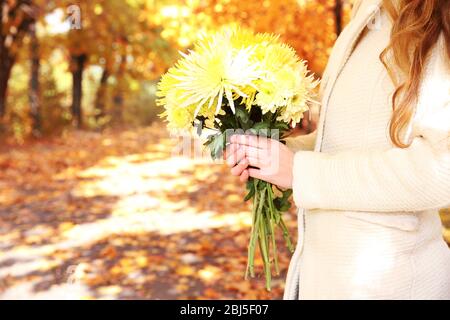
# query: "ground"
118,215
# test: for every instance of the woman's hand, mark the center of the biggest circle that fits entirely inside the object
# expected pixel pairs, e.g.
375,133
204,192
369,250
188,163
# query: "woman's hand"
260,158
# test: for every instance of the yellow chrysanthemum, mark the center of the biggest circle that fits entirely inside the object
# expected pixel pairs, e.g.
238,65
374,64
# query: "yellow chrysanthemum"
231,64
289,89
214,70
171,99
167,93
249,100
269,98
240,38
276,56
303,95
279,64
276,89
178,117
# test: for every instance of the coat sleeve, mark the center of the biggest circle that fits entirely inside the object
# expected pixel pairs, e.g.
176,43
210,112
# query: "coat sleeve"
412,179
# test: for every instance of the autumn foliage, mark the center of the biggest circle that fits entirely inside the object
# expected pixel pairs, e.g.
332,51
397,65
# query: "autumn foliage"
95,63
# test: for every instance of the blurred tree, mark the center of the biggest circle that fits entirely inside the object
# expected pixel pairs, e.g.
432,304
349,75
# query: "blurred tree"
78,42
34,89
78,64
104,67
115,36
100,103
118,98
338,12
16,17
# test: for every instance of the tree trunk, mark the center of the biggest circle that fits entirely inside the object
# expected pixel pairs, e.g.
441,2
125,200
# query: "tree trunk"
338,8
118,105
101,95
2,71
118,96
5,73
6,64
10,40
77,88
34,90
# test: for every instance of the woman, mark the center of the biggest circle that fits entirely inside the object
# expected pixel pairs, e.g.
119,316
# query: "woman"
370,191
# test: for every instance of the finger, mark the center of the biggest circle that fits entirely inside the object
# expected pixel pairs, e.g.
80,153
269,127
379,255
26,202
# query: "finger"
254,152
256,173
244,176
250,140
256,162
235,157
239,168
230,149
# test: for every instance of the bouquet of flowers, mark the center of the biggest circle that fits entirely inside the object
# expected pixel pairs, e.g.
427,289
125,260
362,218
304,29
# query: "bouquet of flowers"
239,80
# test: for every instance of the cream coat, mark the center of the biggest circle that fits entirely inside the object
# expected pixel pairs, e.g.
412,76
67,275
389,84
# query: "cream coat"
368,221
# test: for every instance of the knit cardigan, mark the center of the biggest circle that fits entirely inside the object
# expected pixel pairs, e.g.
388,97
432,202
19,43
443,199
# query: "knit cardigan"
368,221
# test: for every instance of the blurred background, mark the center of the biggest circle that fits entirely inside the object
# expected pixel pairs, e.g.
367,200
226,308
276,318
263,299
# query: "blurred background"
93,204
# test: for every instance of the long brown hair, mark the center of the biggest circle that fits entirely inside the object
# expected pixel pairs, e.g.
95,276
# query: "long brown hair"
417,26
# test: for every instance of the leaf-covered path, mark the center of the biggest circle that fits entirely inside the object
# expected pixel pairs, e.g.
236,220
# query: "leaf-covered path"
116,215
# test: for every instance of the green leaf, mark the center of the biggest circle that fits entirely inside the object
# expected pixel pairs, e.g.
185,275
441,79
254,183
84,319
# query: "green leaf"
287,193
261,125
285,207
250,194
283,203
242,116
262,185
281,126
216,144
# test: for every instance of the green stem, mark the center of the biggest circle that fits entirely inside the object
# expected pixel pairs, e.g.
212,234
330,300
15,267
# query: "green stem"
286,236
272,228
265,216
253,237
263,239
